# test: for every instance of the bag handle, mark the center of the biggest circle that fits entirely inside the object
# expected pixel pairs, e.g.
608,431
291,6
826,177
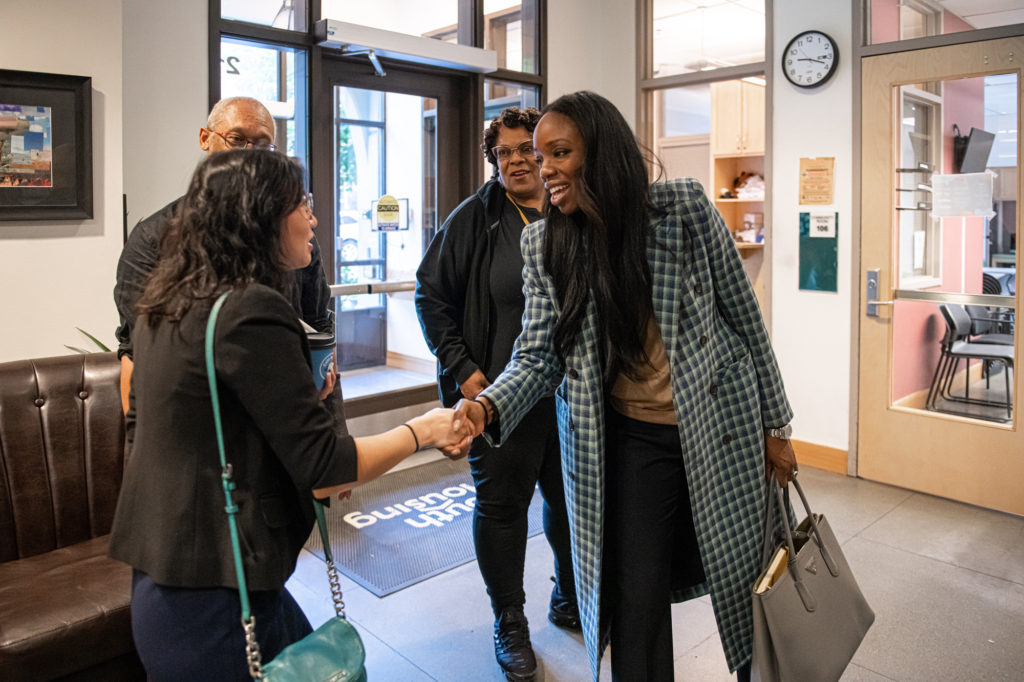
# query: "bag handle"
781,495
252,649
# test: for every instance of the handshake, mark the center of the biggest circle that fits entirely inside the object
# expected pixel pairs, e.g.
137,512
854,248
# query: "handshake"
453,430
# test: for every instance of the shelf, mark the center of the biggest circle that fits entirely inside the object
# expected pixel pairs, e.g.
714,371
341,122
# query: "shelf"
743,246
740,201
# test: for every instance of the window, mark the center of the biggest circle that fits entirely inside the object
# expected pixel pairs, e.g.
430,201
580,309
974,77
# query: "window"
286,14
268,73
888,20
510,30
701,35
434,19
920,251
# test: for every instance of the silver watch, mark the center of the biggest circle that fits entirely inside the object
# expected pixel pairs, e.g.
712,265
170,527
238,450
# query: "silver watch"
781,432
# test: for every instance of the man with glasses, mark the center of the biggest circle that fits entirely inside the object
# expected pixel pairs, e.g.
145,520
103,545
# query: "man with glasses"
469,298
234,123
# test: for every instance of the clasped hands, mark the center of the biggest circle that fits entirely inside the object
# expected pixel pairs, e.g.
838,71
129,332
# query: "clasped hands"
469,417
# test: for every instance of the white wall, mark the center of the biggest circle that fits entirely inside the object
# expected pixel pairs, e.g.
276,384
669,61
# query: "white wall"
592,46
56,275
811,330
165,100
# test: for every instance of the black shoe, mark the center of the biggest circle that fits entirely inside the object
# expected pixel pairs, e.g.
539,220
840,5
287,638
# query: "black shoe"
563,610
565,614
512,645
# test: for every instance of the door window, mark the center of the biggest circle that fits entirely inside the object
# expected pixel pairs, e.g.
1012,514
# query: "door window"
385,144
954,229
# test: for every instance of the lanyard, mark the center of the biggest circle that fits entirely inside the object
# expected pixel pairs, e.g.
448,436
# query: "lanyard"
525,221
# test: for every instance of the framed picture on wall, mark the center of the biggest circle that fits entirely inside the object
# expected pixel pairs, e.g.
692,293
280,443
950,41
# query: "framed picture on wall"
45,146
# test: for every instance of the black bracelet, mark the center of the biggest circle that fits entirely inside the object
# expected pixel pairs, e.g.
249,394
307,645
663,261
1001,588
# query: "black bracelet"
488,411
414,438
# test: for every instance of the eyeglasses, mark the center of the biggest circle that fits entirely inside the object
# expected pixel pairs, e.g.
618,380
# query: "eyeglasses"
505,153
236,141
307,204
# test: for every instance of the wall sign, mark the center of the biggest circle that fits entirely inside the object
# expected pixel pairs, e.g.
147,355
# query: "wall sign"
819,251
817,178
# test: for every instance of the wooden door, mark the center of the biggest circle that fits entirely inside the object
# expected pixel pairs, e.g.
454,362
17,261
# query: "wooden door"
910,102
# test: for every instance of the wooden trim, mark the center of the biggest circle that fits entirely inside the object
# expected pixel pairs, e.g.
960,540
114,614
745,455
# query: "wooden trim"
411,363
820,456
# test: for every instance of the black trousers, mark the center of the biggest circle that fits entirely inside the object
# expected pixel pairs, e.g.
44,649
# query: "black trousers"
651,546
505,479
196,634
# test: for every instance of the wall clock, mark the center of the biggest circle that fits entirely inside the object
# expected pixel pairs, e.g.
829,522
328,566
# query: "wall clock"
810,59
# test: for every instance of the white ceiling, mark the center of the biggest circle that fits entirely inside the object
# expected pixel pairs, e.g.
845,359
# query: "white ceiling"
986,13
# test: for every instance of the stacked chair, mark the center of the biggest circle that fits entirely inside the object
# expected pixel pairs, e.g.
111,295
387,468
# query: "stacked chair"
988,338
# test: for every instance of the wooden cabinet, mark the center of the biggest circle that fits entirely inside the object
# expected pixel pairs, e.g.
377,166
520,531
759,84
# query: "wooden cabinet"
737,118
737,148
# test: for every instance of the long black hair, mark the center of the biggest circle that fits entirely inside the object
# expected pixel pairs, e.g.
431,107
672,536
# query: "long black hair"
601,249
227,231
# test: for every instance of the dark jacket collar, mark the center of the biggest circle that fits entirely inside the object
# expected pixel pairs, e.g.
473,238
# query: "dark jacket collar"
492,195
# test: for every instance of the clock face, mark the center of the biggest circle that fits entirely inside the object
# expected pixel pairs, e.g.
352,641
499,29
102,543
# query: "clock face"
810,59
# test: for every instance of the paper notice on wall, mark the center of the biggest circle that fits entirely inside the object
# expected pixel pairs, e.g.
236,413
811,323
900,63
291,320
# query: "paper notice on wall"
962,194
817,178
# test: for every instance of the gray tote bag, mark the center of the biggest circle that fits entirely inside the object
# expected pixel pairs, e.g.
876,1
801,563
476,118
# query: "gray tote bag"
812,617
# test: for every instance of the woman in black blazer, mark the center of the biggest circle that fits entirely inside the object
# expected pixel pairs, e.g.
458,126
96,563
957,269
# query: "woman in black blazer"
244,224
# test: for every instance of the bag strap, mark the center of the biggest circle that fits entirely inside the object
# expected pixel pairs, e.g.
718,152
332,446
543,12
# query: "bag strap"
781,495
252,650
252,647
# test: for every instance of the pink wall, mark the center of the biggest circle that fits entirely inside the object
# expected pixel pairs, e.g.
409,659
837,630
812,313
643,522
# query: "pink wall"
963,103
885,21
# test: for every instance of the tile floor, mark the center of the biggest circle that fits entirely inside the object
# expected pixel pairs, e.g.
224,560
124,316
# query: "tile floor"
946,581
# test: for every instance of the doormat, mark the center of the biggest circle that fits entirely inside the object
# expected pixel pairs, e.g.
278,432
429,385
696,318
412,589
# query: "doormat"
407,526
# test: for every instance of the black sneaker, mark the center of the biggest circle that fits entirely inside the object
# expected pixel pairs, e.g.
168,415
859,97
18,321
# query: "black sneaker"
565,614
512,645
563,610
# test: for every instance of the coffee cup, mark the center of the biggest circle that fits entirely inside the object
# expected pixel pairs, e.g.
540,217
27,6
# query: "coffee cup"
321,355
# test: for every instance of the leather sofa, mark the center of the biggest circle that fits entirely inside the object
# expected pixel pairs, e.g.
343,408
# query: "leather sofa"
64,605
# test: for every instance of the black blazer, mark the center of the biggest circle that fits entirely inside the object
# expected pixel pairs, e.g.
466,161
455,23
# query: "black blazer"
170,521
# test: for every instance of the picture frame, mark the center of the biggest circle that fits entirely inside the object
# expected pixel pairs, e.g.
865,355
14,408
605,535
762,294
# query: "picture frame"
45,146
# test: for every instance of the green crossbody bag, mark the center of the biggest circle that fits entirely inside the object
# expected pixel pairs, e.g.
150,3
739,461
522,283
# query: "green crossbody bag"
334,652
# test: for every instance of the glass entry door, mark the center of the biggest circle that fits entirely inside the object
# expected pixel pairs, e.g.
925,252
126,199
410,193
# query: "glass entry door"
407,137
384,145
939,389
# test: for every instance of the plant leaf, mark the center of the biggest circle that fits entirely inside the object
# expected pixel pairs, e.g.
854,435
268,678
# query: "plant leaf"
76,349
92,338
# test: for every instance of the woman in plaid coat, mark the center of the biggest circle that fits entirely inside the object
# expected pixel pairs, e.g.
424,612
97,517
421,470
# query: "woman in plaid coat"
670,402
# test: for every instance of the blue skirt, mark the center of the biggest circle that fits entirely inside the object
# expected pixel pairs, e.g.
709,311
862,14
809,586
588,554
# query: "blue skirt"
196,633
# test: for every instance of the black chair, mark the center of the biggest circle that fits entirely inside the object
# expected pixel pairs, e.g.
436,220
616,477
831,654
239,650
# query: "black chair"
957,345
990,285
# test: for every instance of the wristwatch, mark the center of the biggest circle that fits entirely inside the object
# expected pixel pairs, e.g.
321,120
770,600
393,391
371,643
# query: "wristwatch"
780,432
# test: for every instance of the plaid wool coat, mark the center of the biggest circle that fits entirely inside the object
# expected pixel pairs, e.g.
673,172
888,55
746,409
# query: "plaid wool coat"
726,388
